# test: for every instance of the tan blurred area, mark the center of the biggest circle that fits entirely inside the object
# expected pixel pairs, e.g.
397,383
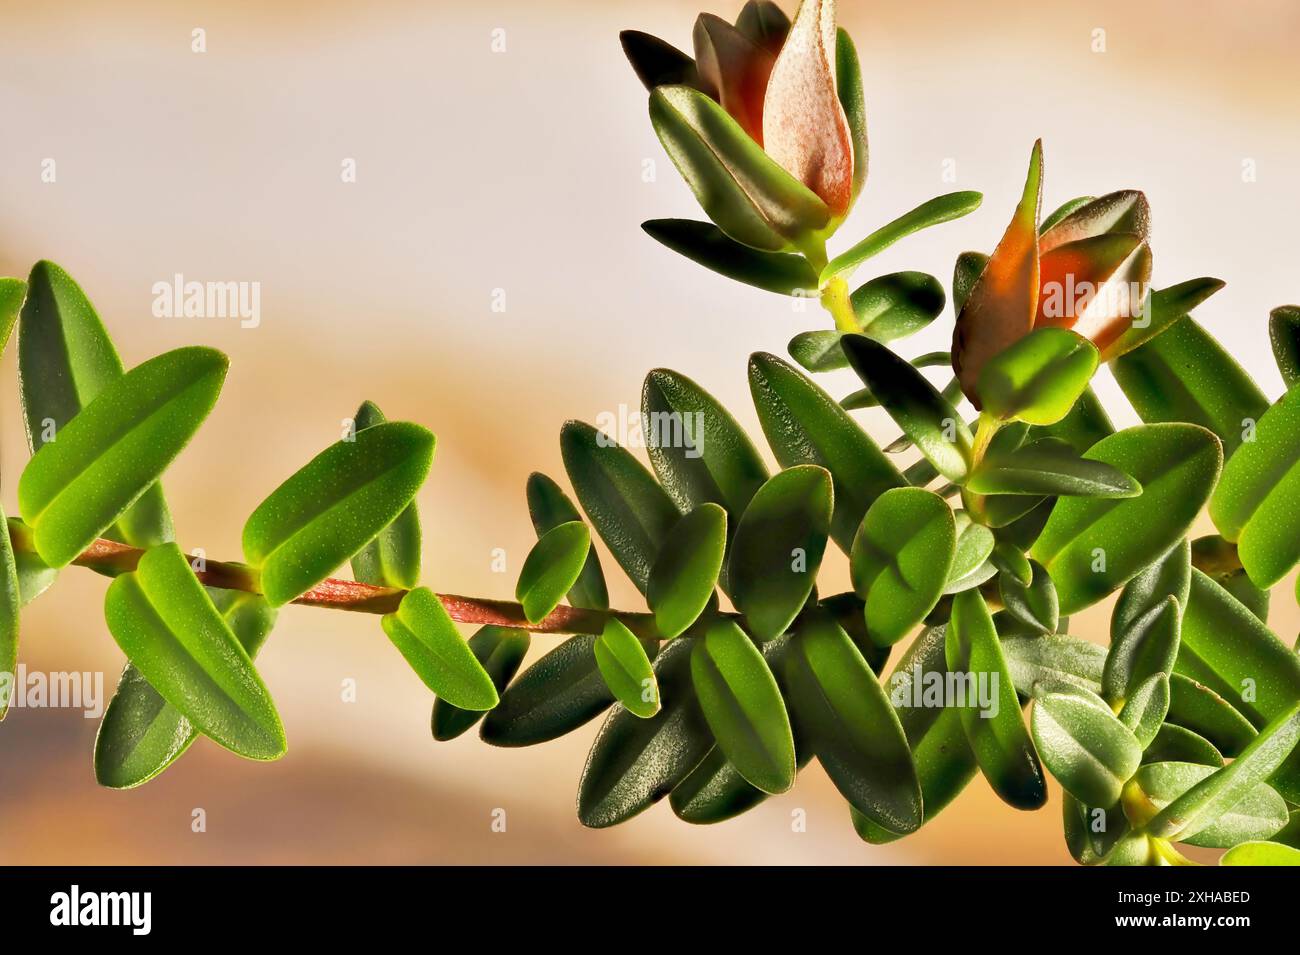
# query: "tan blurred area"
520,175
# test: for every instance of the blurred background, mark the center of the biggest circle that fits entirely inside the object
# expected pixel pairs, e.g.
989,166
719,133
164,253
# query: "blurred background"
502,155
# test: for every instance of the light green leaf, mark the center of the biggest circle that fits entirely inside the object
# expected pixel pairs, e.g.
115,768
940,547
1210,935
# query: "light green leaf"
1162,309
552,568
1085,425
65,358
901,559
1198,708
334,505
142,734
975,544
392,559
110,453
427,637
686,572
743,707
1180,745
703,242
549,507
626,669
500,651
1035,605
1145,708
11,602
1167,576
1082,743
1255,812
804,425
1149,646
743,190
1052,658
1039,377
1049,467
933,212
1176,465
169,628
34,575
1261,853
989,710
914,404
1012,562
778,548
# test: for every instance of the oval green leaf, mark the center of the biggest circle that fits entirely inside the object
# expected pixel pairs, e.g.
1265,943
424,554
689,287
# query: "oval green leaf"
556,695
1083,744
500,650
686,572
392,559
626,669
551,568
706,244
427,638
549,507
1039,377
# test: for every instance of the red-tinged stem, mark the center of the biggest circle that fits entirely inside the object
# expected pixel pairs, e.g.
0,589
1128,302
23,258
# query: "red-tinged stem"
333,593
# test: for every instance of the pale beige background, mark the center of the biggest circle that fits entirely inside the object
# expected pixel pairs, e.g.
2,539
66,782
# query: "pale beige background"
522,171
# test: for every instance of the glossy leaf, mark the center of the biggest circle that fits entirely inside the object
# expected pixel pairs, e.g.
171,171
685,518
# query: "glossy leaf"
1198,708
1149,646
1261,853
990,711
1012,562
686,572
1049,467
914,404
559,693
1176,465
549,507
33,574
706,244
1178,744
901,559
1284,336
626,669
1162,309
1082,743
551,568
392,559
932,212
975,544
625,504
11,602
335,504
848,86
1085,425
744,190
804,425
1185,375
966,272
1243,812
1168,576
1039,377
427,637
65,358
142,734
657,63
1035,604
636,762
500,651
743,707
1145,708
778,548
854,731
169,628
110,453
1052,658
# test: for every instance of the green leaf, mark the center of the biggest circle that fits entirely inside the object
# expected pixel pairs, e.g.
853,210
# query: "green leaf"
1091,832
804,425
11,602
1178,744
901,559
863,398
698,451
1085,425
169,628
630,511
743,707
1065,209
1162,309
392,559
1145,708
427,637
65,358
778,548
1012,562
1168,576
334,505
626,669
966,272
142,734
706,244
975,544
1052,658
635,762
500,651
556,695
741,188
1218,395
551,568
1261,853
1049,467
34,575
549,507
74,488
989,709
12,293
657,63
1202,806
1284,335
944,762
933,212
848,87
685,574
854,731
914,404
1198,708
1149,646
1034,605
1082,743
1091,546
1254,502
1243,812
1039,377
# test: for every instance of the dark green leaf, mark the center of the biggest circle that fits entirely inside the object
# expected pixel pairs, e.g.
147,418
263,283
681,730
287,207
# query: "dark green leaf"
427,637
966,272
848,86
11,602
1145,708
1177,744
686,572
169,628
1198,708
1034,605
703,242
1085,425
1284,334
1012,562
1049,467
657,63
556,695
1168,576
500,651
552,568
1149,646
392,559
